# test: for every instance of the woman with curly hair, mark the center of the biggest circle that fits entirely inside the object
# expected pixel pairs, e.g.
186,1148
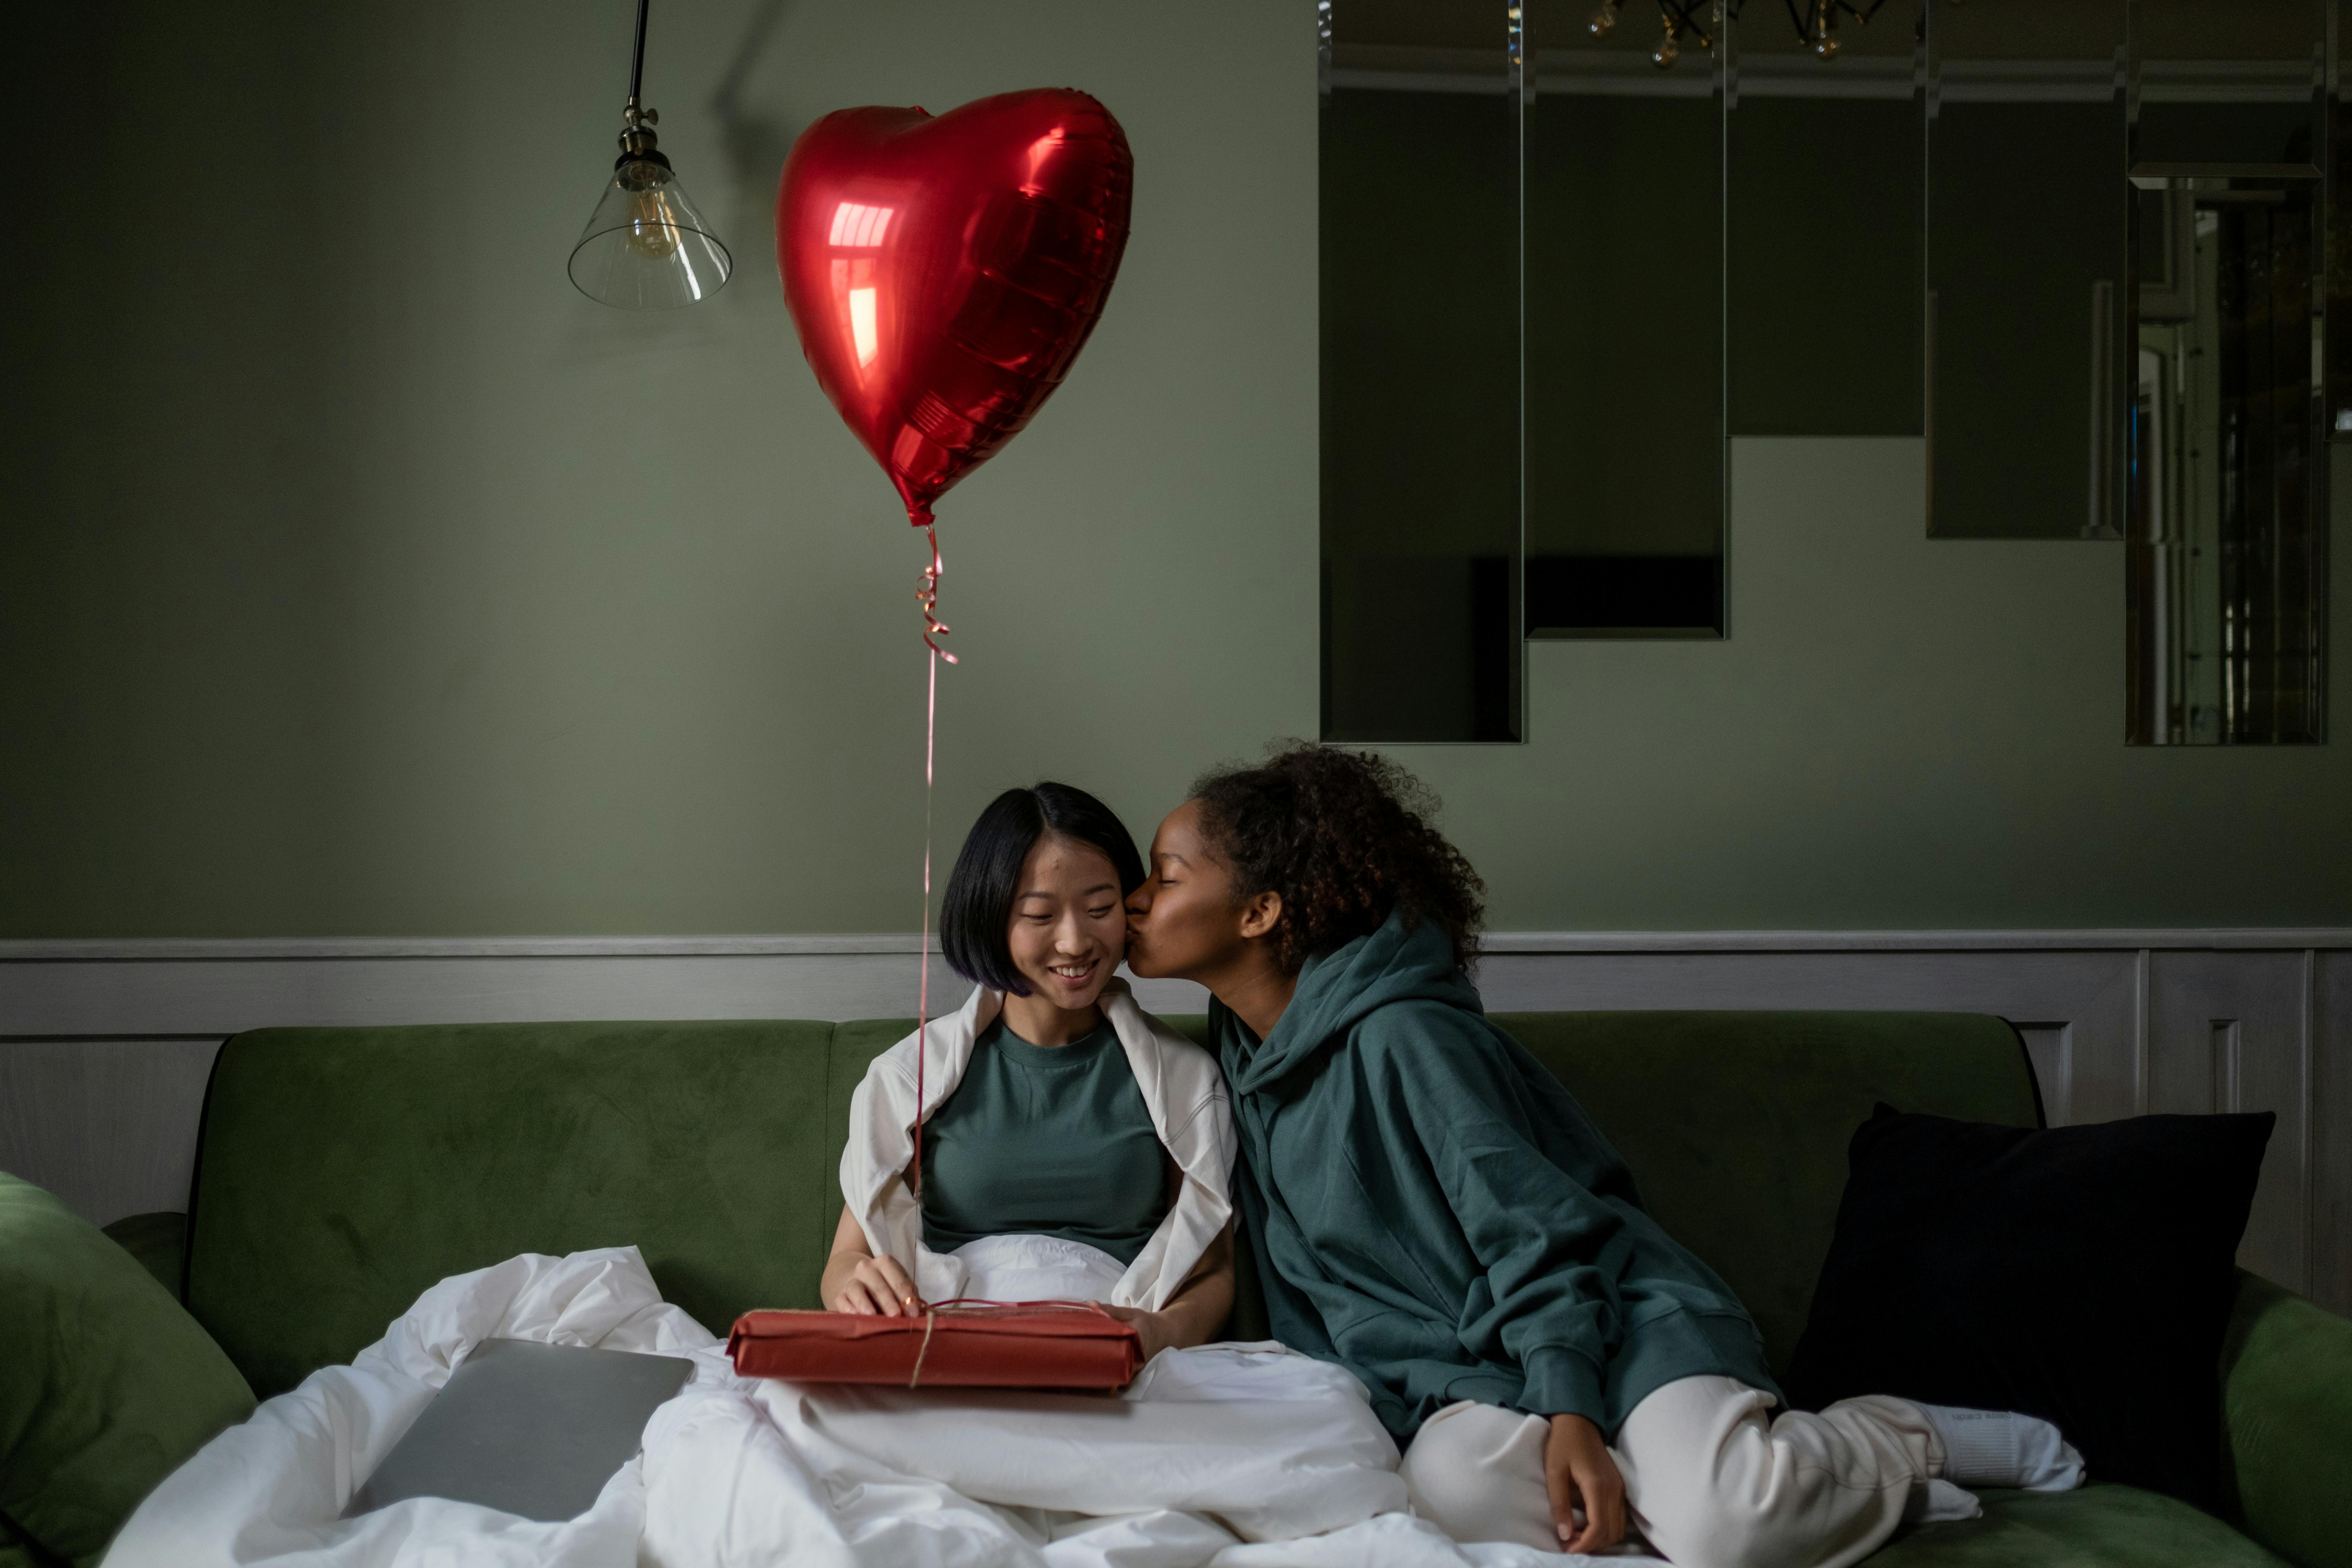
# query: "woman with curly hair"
1427,1206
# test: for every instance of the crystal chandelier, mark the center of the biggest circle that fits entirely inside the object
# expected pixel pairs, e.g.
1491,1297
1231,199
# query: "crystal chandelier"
1816,22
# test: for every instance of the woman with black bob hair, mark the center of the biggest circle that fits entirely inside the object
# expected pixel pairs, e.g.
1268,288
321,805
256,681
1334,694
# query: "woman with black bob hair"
1073,1147
1427,1206
1070,1147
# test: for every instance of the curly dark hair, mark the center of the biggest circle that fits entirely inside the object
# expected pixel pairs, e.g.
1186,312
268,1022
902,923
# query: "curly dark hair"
1346,837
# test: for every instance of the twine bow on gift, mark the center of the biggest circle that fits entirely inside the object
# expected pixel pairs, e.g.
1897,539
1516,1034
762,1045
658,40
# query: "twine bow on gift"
976,1307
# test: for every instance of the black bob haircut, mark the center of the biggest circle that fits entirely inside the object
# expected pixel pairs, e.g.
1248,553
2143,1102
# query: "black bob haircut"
976,914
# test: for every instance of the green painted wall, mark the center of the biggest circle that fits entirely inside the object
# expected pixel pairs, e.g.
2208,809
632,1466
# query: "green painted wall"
358,576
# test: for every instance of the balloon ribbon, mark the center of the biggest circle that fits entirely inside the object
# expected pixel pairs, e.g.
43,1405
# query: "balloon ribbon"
927,595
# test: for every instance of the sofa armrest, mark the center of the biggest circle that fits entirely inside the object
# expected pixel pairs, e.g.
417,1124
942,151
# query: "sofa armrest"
2287,1403
160,1241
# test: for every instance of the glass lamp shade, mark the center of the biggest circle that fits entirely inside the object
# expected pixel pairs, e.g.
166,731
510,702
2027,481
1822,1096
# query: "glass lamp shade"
646,247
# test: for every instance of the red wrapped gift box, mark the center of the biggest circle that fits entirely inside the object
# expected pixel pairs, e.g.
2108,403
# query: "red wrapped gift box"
1028,1344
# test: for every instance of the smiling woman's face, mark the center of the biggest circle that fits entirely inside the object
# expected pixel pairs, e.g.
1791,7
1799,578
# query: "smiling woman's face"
1183,922
1069,931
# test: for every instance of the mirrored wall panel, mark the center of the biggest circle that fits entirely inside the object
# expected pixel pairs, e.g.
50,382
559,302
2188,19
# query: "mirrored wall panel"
1625,454
1826,283
2227,453
2087,250
2227,518
2336,409
1420,282
2026,237
2244,82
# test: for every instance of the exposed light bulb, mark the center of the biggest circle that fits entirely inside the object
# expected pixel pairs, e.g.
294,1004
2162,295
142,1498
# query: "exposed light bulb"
653,219
1667,52
1605,21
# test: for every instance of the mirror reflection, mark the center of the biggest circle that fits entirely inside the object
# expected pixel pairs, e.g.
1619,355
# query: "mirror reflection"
2226,446
2241,83
1624,453
1420,291
1823,191
2226,521
2026,239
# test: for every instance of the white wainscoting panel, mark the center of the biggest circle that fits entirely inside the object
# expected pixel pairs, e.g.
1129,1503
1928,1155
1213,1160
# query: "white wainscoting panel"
109,1126
2230,1032
105,1046
2079,1008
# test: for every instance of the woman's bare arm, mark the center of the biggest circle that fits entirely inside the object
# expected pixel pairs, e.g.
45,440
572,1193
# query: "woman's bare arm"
857,1281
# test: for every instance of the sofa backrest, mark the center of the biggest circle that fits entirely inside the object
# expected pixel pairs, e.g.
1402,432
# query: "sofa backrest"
1735,1124
341,1171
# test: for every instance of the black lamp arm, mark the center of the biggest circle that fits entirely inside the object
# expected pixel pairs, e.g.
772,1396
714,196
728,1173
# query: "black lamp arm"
637,57
637,139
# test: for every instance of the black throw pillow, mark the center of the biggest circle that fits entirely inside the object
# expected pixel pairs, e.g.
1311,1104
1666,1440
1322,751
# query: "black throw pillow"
2081,1273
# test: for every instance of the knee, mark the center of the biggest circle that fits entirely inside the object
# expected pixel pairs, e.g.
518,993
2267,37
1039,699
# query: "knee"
1475,1471
1451,1469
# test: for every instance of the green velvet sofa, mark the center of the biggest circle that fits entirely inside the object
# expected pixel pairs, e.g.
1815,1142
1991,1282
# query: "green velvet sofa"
340,1171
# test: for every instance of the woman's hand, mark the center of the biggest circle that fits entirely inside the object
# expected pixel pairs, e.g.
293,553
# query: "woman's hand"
1152,1328
1582,1477
876,1287
857,1281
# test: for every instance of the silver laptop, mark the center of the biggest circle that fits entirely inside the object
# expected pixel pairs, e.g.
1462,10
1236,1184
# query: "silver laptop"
527,1428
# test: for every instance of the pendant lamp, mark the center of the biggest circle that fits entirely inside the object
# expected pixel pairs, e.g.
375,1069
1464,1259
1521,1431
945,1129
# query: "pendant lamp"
646,246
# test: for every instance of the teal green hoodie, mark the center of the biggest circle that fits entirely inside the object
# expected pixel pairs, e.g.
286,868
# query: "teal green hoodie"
1429,1208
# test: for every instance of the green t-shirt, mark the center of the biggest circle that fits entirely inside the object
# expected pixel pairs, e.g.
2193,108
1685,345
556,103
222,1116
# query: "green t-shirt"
1045,1140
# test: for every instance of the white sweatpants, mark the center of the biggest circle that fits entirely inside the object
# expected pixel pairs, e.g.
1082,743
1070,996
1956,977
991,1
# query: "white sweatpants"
1710,1480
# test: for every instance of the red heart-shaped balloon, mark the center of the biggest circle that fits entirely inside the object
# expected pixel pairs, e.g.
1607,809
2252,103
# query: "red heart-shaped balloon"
943,272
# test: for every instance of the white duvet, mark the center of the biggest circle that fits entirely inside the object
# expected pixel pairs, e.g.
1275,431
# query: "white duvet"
1231,1456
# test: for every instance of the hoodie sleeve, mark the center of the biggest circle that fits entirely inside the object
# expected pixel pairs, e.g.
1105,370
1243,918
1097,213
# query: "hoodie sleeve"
1546,1299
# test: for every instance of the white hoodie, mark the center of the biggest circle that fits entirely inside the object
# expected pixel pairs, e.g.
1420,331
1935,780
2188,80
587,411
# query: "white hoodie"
1182,1087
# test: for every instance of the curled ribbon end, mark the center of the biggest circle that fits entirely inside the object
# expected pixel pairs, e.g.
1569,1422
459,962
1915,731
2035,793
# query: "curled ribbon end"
927,594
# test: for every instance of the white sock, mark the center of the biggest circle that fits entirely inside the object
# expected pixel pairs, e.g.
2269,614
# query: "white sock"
2003,1448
